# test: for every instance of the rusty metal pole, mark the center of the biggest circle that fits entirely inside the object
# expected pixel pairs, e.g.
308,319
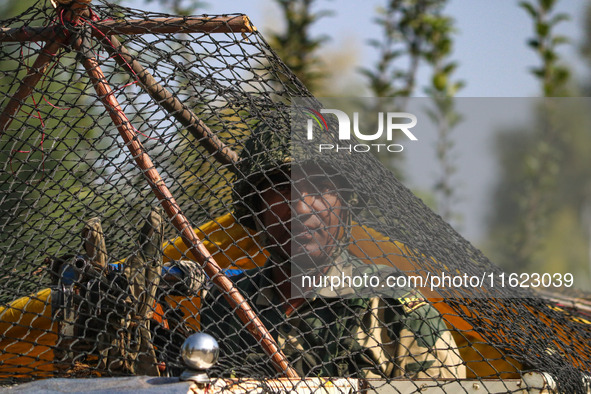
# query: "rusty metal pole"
165,99
46,55
180,222
161,96
187,24
77,9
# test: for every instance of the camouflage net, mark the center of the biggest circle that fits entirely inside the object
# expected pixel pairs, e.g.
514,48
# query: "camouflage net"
96,280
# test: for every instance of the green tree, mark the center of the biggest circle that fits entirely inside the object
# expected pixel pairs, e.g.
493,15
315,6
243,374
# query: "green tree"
407,26
543,158
296,46
413,32
553,76
444,116
540,214
180,7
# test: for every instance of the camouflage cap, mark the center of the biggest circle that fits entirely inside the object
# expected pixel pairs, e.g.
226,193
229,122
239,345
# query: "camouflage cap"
267,150
273,149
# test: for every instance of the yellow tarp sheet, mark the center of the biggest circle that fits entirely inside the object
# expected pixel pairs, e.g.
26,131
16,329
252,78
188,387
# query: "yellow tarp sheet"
27,332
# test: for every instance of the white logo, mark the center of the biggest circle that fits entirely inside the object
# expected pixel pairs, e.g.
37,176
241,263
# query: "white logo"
388,123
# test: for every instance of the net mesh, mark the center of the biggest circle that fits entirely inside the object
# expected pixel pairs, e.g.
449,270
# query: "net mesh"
96,281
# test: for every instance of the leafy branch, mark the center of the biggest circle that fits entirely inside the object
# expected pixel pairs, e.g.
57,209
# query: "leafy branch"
542,161
406,26
295,45
445,117
551,73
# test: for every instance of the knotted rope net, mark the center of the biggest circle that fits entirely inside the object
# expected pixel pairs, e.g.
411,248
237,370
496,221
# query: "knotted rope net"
144,161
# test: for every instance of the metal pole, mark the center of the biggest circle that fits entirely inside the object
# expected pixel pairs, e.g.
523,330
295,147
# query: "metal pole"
221,24
180,222
56,40
29,82
170,103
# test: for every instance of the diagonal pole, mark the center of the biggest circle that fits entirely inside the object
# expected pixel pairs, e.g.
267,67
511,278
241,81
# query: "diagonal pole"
46,55
164,98
180,222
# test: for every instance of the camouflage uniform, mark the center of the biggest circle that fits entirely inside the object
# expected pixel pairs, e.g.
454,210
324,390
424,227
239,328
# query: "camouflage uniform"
385,336
392,334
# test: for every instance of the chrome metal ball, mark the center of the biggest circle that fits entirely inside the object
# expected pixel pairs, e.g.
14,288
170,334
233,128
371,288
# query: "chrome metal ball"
200,351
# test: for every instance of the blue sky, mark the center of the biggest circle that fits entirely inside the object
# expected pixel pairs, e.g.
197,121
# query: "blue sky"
490,43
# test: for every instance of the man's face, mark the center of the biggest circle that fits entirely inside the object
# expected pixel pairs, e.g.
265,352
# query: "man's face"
303,218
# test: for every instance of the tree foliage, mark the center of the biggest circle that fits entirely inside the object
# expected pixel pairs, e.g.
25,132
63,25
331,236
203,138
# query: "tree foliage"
296,46
553,76
442,91
540,211
416,33
180,7
408,28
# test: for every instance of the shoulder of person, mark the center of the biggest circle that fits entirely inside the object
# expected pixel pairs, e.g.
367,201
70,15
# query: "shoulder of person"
412,301
400,295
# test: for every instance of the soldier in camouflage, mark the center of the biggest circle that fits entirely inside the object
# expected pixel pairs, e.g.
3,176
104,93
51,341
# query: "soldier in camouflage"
301,208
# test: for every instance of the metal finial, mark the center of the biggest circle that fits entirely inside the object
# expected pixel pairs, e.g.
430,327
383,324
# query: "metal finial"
200,352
